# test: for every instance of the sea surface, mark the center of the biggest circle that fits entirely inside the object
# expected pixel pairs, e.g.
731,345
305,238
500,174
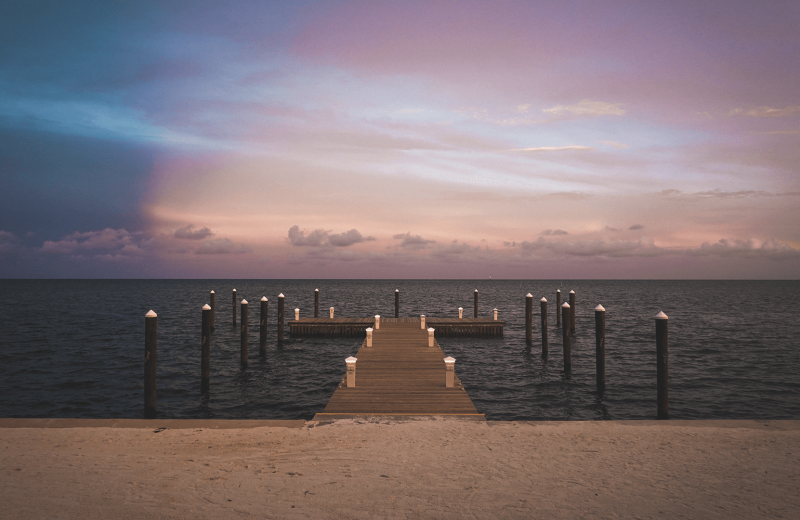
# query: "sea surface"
75,348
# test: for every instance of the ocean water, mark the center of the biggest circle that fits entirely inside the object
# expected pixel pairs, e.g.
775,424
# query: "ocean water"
74,348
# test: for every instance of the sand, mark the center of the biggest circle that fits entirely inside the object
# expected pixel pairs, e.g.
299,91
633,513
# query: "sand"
395,468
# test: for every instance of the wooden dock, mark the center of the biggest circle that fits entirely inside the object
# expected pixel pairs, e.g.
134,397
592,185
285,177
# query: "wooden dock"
400,375
349,327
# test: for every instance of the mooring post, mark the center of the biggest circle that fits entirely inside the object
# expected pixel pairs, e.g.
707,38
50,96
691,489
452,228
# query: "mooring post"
558,306
244,334
430,336
600,346
211,297
449,371
331,311
422,321
280,318
205,349
476,303
397,303
495,314
566,338
461,313
351,371
377,321
316,303
262,337
369,336
528,319
234,307
572,312
296,314
150,358
544,326
662,322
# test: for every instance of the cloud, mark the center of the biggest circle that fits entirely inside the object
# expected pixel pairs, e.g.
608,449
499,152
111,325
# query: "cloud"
553,232
7,240
635,227
764,111
719,194
189,234
104,242
320,238
584,108
570,148
752,247
409,241
221,246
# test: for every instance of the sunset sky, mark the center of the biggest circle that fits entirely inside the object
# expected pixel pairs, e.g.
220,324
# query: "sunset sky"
452,139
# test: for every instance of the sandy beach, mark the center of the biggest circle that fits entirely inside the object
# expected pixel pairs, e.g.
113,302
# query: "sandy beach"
399,468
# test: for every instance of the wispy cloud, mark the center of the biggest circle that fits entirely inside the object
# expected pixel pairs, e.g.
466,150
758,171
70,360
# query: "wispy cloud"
585,108
321,238
570,148
190,234
409,241
764,111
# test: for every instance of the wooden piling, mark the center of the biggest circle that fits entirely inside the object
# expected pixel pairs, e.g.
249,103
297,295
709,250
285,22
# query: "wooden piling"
476,303
529,319
397,303
351,371
545,346
280,319
234,307
244,334
150,359
262,329
449,371
205,349
662,373
316,303
600,346
558,306
572,312
211,298
566,338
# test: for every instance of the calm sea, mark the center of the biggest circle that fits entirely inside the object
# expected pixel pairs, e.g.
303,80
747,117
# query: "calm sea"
74,348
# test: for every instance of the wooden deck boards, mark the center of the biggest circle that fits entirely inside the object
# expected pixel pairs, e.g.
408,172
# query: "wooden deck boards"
400,375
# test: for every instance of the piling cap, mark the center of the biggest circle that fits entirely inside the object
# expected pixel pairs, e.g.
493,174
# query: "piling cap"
461,308
558,290
661,316
369,329
316,290
572,292
476,290
378,316
206,307
351,359
431,329
421,315
297,310
600,308
565,305
331,307
494,309
212,291
151,314
264,299
543,299
529,295
397,290
280,295
234,290
449,359
244,302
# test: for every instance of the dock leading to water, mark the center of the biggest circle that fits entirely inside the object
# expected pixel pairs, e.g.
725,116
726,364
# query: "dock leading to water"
444,327
400,375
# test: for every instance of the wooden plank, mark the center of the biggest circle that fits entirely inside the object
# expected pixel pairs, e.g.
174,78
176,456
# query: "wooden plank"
400,375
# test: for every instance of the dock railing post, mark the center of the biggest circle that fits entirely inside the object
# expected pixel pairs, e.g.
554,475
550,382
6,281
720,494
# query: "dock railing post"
528,319
449,371
558,306
572,312
600,346
150,359
369,336
566,338
476,303
234,307
430,337
262,338
316,303
211,297
461,313
243,354
377,321
280,318
662,373
331,311
351,371
397,303
205,349
296,314
422,321
495,314
544,326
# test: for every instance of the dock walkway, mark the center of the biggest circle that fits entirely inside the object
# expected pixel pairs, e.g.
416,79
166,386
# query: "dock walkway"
400,375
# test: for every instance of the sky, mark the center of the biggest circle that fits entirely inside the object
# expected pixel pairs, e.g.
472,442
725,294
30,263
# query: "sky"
432,139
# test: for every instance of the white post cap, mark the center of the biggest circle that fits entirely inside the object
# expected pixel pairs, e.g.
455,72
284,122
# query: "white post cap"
558,290
264,299
476,290
529,295
244,302
572,292
234,290
494,309
600,308
369,329
150,314
351,359
212,291
543,299
659,316
421,315
461,308
431,329
449,359
280,295
297,310
316,290
377,315
565,305
397,290
206,307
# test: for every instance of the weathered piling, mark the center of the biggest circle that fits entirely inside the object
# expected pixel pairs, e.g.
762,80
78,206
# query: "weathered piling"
316,303
150,359
545,346
566,338
476,303
280,318
495,313
205,349
430,336
244,334
600,346
369,336
262,329
558,306
461,313
297,314
572,312
377,321
234,307
397,303
351,371
662,373
422,322
331,312
213,306
449,371
529,319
